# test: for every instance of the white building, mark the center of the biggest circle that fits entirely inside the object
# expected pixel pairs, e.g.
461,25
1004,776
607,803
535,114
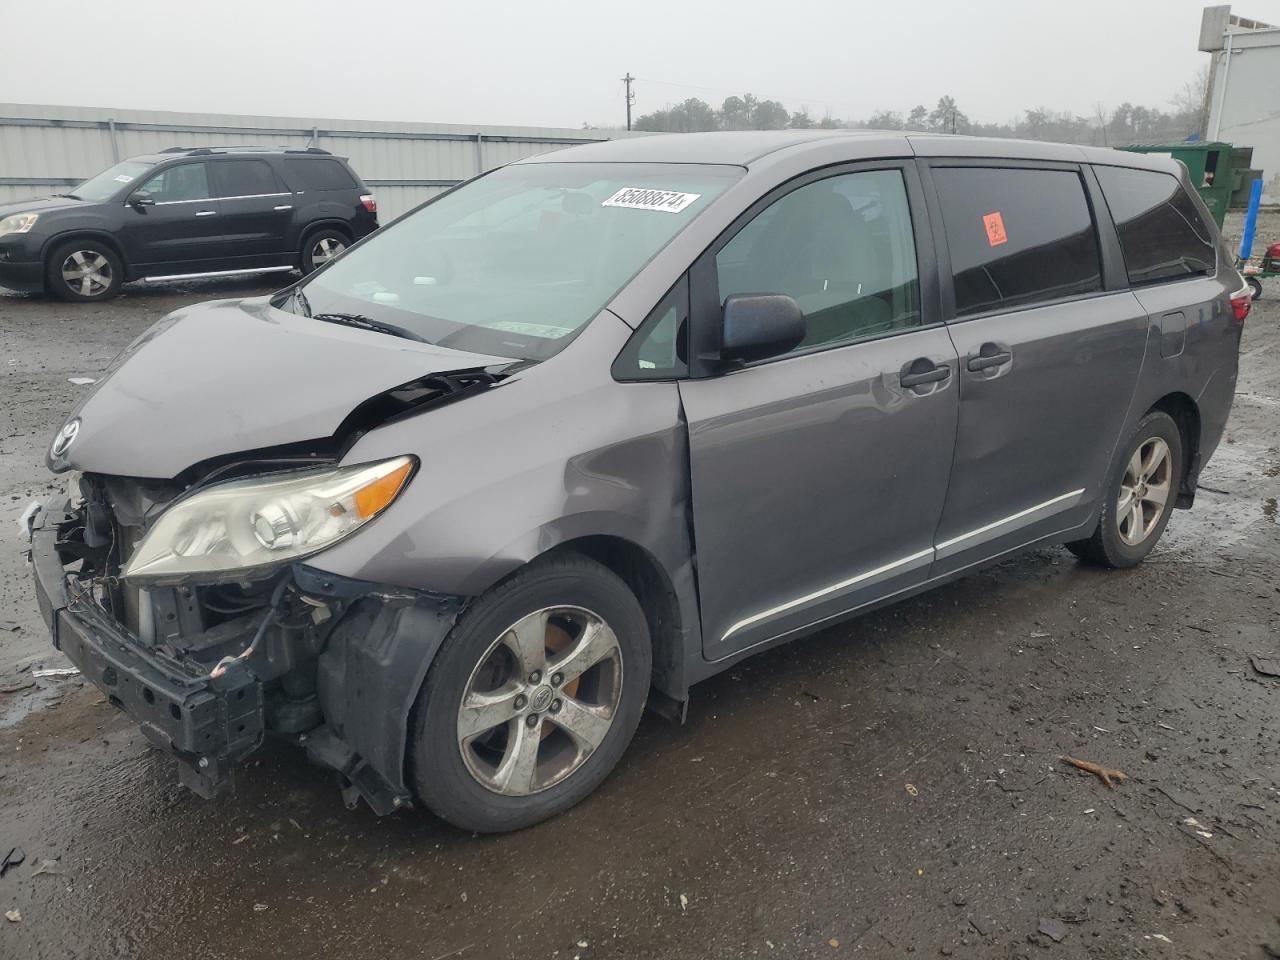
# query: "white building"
1244,89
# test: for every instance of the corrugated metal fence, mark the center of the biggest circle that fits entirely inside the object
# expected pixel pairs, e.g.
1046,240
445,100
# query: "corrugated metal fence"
46,149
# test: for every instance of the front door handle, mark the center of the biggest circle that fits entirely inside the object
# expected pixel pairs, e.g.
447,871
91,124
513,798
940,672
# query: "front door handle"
206,213
989,355
921,371
283,206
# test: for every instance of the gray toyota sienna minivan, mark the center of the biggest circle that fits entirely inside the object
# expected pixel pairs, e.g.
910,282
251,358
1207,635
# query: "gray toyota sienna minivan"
592,427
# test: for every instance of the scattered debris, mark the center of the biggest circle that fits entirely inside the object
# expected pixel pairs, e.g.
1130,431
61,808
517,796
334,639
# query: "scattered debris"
981,924
834,942
1105,774
911,789
81,381
1055,930
56,672
13,916
11,859
239,840
684,903
1267,666
1158,936
259,907
47,867
1198,827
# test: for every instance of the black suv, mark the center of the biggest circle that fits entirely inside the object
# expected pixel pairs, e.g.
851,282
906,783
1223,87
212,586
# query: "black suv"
186,212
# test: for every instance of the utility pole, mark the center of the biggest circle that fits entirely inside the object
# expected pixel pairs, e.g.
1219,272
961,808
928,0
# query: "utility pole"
631,97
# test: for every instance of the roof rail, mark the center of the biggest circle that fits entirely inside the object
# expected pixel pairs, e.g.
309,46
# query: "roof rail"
206,151
315,150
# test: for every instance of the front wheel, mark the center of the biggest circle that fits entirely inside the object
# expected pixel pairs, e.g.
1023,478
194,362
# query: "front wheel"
84,270
1139,496
533,697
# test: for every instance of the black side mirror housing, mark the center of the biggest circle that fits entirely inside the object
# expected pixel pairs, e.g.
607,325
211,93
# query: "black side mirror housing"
141,198
755,326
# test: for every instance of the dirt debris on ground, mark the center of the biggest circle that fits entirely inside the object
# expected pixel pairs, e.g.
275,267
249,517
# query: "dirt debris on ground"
775,823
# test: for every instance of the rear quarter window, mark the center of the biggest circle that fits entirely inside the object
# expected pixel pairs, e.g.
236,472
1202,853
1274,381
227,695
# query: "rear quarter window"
318,174
1161,232
1017,236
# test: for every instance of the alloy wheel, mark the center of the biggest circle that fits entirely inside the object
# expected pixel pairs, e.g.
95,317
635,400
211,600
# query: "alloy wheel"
1144,491
87,273
325,250
540,701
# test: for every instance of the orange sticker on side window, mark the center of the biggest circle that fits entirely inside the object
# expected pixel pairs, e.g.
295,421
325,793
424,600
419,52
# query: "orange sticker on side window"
995,229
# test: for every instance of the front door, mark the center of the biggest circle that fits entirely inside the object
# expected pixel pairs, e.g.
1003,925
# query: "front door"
818,477
1049,354
180,232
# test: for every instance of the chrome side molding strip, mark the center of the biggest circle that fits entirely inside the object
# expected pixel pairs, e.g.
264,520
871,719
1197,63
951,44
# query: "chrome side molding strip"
1073,495
216,273
932,554
826,591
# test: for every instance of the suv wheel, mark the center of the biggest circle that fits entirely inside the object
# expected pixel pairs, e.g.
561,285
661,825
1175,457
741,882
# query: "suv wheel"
321,247
1139,496
84,270
533,697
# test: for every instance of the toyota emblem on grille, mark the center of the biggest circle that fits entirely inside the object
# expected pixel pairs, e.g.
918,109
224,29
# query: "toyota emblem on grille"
66,436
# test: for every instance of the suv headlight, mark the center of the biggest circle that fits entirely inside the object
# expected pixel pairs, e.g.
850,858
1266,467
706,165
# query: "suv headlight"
245,528
18,223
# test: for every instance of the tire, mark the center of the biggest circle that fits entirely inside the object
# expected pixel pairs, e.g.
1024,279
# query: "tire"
322,246
1256,286
83,271
470,724
1123,538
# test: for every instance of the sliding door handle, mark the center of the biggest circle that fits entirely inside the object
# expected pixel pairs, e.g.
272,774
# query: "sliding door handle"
206,213
988,356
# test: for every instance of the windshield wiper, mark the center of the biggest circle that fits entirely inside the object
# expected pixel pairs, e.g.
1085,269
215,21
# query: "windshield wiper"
364,323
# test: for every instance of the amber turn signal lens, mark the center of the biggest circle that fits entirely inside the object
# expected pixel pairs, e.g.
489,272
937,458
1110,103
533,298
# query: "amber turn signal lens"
374,498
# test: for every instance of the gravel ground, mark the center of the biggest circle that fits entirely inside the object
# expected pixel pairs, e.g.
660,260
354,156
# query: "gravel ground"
887,788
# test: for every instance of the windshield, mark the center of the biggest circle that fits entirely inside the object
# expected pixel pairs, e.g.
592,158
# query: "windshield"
516,262
110,182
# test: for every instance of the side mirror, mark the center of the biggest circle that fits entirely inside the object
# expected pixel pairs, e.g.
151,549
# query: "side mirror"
141,198
755,326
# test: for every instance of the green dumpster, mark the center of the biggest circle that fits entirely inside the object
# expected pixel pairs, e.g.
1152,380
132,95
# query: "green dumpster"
1211,168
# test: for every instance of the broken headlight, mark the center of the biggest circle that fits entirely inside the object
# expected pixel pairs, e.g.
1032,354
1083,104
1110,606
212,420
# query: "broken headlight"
235,530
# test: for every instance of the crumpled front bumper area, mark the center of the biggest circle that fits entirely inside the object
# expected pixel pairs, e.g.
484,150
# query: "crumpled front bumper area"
209,725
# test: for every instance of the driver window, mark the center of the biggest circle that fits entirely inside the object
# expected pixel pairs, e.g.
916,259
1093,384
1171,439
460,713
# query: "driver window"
187,181
842,248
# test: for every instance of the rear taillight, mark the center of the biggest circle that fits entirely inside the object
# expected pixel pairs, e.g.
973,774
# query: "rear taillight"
369,203
1241,303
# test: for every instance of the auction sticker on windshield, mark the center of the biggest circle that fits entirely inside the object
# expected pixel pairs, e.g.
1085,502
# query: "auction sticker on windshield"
639,198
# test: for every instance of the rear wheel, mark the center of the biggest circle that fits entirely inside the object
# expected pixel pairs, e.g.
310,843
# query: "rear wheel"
321,247
84,270
533,697
1139,496
1256,286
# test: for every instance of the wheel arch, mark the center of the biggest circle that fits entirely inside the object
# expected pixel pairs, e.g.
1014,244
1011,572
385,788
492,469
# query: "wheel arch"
314,226
89,233
648,580
1186,414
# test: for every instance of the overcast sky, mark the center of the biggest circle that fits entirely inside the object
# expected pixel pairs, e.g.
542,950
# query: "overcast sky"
558,64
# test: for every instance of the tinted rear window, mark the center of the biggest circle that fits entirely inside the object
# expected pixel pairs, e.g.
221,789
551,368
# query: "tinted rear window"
1161,232
319,174
244,178
1017,236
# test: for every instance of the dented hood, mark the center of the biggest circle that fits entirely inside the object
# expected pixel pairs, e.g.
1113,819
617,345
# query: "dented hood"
238,375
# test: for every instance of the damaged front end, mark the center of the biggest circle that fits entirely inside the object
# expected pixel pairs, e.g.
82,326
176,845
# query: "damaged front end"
208,665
